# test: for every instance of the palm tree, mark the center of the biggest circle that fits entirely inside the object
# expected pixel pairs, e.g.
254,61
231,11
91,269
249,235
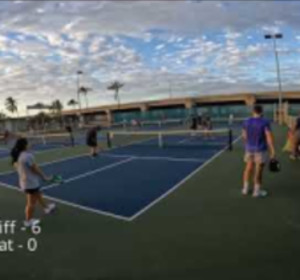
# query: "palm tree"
116,87
57,109
11,105
41,119
73,103
84,91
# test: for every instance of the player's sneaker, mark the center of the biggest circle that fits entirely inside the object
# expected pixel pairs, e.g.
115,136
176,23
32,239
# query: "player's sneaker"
260,193
31,223
94,155
50,208
245,191
292,157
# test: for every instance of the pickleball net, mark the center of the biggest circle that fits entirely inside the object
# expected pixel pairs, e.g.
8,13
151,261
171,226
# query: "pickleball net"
57,139
172,138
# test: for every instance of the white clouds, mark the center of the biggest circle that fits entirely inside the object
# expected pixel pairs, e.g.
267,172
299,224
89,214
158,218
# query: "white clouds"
96,44
69,26
229,35
44,43
271,29
159,47
54,39
136,17
3,42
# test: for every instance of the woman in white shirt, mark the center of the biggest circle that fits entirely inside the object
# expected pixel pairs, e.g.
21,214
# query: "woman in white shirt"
29,180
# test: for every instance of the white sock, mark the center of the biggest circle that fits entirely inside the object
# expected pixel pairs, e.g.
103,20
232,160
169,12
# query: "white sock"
246,186
257,188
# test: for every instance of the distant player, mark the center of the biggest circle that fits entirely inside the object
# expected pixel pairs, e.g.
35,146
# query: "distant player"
296,139
194,124
258,140
6,136
92,140
69,129
29,180
207,125
200,121
135,123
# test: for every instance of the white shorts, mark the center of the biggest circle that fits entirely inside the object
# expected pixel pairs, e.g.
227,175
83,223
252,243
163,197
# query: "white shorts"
256,157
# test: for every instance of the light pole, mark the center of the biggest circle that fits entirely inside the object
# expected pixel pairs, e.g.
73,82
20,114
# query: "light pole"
168,78
79,72
78,90
274,37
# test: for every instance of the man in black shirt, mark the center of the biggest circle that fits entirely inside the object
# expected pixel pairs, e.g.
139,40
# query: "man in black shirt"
92,140
200,121
194,122
69,129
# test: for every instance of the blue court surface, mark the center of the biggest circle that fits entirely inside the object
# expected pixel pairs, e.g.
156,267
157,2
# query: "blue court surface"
126,181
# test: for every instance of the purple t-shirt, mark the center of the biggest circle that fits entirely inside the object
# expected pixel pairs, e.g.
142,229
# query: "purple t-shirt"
256,137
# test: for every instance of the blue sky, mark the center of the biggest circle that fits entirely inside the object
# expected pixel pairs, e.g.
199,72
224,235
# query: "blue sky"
193,47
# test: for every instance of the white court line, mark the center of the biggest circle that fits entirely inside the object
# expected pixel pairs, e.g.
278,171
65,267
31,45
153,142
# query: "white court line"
89,209
91,172
184,140
154,158
164,195
74,205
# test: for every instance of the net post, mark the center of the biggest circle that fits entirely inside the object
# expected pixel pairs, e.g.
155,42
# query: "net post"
230,140
108,139
160,140
44,140
72,139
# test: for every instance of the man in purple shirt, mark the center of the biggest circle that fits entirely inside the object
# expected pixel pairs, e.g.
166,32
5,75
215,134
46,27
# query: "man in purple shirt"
258,140
296,138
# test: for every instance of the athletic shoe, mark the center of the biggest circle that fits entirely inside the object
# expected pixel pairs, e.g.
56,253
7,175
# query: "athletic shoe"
260,193
31,223
245,191
292,157
50,208
94,155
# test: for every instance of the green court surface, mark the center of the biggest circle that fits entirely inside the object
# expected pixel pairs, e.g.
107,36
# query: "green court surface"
203,230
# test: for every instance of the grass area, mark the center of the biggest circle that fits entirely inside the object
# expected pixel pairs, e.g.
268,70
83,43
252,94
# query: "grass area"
204,230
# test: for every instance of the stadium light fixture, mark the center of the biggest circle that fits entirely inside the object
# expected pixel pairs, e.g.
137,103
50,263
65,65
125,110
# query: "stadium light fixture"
79,73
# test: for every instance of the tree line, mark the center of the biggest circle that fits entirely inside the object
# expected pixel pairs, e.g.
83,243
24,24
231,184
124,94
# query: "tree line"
56,107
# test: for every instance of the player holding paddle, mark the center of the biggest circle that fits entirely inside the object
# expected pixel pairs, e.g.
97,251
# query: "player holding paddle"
258,140
29,180
92,140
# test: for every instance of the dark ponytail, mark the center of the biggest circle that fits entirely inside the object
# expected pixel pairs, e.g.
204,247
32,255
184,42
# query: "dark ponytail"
20,146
